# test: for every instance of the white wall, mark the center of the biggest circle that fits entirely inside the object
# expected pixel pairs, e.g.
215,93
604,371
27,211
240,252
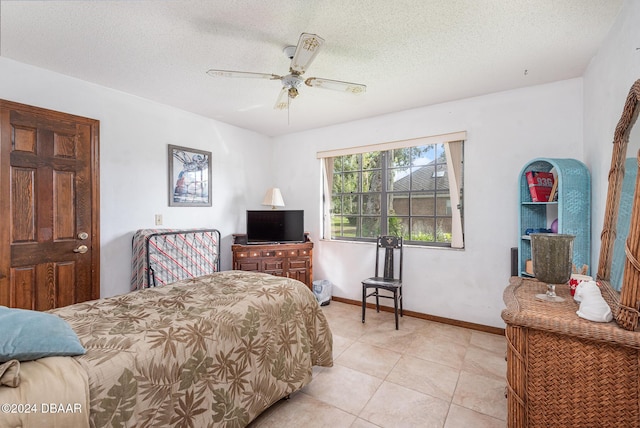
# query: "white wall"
606,84
134,134
505,130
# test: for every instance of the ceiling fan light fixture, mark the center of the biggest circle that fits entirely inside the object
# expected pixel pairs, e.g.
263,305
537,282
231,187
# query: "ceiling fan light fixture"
291,81
293,92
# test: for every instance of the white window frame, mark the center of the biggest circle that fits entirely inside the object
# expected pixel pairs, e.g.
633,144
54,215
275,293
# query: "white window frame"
454,153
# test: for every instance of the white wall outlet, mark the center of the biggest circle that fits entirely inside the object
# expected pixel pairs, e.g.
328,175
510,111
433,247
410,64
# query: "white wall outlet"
158,219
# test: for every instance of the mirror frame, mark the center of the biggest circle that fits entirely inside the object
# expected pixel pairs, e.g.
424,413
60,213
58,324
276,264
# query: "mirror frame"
624,304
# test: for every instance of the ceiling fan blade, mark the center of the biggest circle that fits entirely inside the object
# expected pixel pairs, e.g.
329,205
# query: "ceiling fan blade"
246,74
336,85
306,51
282,103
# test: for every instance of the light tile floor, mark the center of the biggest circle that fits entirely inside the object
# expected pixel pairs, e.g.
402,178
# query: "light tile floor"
425,374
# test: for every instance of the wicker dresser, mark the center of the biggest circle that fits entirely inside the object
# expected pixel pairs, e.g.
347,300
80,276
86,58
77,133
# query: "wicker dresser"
564,371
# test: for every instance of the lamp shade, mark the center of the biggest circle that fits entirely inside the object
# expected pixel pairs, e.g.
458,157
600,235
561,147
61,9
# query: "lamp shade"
273,197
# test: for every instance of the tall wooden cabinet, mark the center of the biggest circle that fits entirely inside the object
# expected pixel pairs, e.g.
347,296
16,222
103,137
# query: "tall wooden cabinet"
572,208
288,260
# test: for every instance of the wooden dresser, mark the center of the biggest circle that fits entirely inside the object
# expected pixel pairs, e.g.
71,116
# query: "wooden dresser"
565,371
289,260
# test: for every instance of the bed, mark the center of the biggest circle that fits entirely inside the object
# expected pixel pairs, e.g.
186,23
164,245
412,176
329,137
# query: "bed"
209,351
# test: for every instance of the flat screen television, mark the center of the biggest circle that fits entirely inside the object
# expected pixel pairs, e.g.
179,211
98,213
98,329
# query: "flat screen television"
275,226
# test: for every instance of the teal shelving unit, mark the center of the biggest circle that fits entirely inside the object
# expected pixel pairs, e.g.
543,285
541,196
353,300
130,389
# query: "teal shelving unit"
572,208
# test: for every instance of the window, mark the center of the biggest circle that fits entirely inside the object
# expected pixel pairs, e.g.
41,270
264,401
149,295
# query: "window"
411,189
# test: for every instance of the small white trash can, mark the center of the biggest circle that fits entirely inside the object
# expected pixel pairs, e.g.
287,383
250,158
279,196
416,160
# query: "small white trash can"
322,291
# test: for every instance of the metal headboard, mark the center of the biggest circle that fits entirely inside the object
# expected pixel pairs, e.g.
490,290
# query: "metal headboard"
180,254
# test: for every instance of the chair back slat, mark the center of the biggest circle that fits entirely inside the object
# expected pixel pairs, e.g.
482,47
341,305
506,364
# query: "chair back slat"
388,263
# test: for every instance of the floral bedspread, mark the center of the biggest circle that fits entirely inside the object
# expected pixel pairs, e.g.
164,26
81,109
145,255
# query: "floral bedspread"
205,352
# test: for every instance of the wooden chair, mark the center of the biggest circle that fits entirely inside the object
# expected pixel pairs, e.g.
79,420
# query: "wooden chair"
388,281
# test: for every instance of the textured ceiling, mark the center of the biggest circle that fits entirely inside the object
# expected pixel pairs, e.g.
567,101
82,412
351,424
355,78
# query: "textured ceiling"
409,53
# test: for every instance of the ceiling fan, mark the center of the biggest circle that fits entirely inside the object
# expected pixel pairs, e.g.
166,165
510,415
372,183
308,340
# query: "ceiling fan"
301,57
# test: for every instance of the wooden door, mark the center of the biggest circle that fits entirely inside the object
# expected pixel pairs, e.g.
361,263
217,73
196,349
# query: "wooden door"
49,231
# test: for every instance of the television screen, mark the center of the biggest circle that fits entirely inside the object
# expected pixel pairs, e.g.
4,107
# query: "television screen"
275,226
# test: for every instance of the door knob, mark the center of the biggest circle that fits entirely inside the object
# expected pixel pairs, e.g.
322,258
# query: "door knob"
81,249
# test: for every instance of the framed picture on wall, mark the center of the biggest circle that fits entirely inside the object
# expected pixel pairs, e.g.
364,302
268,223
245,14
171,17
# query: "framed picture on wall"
189,177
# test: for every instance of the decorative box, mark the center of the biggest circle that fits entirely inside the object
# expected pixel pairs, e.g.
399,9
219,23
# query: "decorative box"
540,185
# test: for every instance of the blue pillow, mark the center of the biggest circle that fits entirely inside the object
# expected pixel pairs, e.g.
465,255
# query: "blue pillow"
28,335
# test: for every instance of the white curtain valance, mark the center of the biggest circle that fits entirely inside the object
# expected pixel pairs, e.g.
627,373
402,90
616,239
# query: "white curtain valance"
400,144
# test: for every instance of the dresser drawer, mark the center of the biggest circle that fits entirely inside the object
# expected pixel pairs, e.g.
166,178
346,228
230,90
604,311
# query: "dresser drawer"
299,263
248,264
247,254
272,265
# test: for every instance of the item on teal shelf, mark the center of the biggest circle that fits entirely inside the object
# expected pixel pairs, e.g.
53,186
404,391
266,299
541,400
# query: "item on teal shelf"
538,230
554,226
